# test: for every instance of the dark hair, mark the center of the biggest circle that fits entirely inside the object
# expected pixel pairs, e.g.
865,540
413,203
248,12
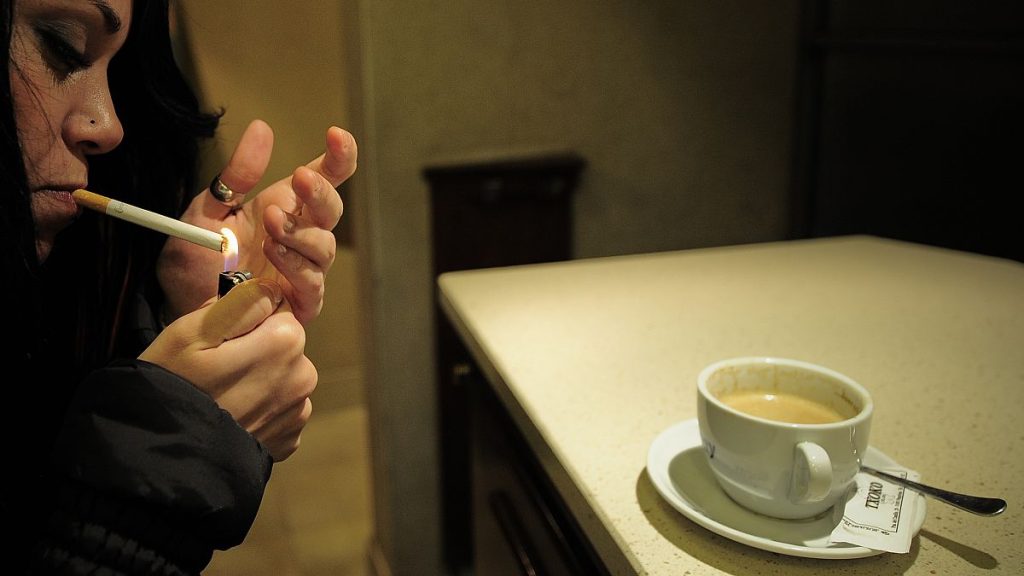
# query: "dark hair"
16,230
100,261
17,235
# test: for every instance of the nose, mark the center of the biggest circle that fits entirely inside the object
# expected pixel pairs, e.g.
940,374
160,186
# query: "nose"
94,127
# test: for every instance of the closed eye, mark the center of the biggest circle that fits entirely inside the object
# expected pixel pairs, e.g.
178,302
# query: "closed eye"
60,56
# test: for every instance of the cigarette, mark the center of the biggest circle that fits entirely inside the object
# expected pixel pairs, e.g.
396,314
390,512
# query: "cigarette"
152,220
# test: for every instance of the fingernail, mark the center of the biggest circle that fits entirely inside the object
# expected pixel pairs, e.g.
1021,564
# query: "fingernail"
281,249
288,224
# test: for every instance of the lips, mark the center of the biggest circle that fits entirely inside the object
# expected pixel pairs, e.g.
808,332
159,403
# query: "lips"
54,209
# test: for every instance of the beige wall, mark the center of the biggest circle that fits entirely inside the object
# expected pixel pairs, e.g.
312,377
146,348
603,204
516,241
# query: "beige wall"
682,109
268,60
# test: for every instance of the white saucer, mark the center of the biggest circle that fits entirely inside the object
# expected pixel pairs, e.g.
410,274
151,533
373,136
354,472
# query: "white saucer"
679,471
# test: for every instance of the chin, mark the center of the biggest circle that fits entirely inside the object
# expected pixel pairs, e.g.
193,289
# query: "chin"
43,248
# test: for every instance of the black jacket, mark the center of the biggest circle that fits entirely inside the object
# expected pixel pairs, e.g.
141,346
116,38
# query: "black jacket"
152,476
133,471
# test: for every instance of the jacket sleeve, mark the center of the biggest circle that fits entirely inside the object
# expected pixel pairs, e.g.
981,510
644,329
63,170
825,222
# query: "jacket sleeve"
152,477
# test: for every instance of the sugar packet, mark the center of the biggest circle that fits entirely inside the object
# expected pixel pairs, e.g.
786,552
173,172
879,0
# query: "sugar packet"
880,514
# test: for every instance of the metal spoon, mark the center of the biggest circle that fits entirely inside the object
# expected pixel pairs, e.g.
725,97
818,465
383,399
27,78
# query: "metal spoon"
974,504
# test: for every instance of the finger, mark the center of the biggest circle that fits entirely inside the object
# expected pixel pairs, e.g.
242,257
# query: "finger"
320,201
282,434
318,245
307,281
338,163
241,310
250,159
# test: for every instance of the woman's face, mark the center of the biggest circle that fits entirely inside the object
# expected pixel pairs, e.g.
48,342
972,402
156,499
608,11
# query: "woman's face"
60,54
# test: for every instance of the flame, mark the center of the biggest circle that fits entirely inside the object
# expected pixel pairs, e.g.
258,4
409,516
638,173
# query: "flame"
230,249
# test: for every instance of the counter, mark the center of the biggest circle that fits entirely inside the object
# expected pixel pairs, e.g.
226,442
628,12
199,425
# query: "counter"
594,358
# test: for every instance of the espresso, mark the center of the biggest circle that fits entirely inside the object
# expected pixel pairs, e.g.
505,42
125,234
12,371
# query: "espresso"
782,406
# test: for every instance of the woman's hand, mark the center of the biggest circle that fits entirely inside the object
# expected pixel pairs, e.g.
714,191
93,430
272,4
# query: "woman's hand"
284,233
246,351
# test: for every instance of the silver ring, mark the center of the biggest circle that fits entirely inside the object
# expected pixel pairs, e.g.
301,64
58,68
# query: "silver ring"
221,191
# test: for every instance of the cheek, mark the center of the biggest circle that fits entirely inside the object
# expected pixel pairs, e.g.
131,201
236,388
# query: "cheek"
34,113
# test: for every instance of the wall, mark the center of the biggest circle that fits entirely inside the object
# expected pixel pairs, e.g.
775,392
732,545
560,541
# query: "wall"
682,109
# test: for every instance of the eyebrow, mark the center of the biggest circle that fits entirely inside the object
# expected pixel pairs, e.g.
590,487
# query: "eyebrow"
110,17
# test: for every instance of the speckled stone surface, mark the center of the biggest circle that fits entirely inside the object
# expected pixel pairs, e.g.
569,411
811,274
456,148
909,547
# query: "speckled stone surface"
594,358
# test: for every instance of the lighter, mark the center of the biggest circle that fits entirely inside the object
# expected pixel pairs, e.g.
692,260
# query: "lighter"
230,279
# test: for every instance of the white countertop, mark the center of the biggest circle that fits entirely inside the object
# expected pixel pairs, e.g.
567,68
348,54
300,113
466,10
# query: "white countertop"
594,358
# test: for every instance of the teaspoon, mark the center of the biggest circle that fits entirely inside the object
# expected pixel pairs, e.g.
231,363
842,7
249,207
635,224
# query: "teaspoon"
974,504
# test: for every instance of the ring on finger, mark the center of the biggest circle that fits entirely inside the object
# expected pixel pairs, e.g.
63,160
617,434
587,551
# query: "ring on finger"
222,192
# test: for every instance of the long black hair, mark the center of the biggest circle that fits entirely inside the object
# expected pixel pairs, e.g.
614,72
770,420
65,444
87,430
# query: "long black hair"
76,301
18,252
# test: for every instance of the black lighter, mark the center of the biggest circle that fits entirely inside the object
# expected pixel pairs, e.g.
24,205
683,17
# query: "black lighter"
230,279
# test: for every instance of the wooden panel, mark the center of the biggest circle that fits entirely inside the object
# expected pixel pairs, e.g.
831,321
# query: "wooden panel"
486,214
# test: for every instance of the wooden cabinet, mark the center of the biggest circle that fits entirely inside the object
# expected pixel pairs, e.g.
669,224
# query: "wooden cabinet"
520,525
502,212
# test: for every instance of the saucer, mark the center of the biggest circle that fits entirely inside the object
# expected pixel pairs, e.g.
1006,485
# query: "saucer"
679,471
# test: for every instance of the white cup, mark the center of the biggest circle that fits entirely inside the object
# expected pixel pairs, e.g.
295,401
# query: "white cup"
754,416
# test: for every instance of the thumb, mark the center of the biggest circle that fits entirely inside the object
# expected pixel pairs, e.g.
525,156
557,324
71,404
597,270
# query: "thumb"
250,159
240,311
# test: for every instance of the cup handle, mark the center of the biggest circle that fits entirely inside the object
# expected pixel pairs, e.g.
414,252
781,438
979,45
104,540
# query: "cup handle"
812,474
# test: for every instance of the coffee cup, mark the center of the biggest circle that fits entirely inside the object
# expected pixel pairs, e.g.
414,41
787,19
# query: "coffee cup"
783,437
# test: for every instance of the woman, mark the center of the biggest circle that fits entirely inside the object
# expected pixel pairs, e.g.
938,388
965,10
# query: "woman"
154,410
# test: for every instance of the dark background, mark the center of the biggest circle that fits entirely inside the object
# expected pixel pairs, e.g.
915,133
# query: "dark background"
910,122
